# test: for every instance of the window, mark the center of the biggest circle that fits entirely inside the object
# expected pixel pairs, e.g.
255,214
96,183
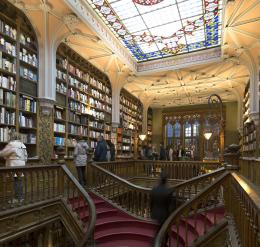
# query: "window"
187,129
195,129
177,130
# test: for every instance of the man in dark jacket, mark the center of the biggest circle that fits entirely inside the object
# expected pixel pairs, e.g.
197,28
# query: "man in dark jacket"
161,202
162,152
100,153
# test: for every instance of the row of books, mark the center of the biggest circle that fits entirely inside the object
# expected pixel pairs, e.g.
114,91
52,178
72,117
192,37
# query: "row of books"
7,29
77,72
7,117
5,134
28,74
61,88
25,121
95,134
78,130
75,83
7,82
78,96
28,138
73,117
7,98
7,46
128,103
58,113
28,104
96,124
59,141
59,127
28,58
61,75
62,62
6,64
128,110
27,41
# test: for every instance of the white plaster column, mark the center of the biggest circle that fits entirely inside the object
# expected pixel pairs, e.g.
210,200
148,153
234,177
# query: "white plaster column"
117,80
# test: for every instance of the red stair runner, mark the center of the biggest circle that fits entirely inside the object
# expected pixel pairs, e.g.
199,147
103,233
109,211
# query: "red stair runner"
115,228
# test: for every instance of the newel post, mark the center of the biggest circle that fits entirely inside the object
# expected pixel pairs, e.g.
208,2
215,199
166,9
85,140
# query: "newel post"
61,161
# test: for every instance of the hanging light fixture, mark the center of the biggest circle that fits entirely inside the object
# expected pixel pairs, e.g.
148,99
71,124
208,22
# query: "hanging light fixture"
207,135
142,137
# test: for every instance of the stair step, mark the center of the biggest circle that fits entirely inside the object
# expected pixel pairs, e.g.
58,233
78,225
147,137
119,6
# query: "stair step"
133,226
124,240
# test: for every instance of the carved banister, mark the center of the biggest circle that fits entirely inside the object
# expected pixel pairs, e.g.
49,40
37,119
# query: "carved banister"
40,184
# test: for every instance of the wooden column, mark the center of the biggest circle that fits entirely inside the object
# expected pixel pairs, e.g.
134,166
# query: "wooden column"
45,133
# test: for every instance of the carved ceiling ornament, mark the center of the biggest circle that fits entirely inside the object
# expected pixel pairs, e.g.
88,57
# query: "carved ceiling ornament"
71,20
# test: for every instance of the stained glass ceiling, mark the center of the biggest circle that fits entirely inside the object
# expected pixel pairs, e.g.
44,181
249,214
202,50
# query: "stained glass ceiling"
152,29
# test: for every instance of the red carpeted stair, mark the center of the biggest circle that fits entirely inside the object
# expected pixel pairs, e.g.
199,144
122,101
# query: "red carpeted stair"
115,228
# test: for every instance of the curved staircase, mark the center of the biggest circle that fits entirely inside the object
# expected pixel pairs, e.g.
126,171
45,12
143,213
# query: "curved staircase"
116,228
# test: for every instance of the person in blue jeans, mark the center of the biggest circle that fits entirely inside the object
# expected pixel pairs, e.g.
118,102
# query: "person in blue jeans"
15,155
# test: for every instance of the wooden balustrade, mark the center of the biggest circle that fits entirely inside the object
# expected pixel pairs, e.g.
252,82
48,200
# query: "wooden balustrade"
136,199
152,168
229,190
21,186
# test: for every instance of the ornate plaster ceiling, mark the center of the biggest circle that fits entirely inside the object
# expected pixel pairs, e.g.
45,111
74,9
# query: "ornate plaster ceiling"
188,84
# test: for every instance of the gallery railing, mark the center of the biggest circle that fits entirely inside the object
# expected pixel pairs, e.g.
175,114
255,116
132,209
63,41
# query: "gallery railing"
21,186
152,168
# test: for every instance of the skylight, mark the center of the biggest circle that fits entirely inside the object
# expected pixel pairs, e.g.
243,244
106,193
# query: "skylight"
152,29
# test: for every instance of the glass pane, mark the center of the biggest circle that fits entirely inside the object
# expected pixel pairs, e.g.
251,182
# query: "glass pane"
177,130
169,130
187,130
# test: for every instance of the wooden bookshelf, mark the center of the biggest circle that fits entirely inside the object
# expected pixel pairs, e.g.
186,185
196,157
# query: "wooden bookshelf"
18,78
149,126
131,112
249,128
83,101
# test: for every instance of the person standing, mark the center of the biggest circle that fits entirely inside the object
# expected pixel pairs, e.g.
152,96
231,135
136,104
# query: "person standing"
15,155
100,154
162,152
112,150
171,154
80,159
161,203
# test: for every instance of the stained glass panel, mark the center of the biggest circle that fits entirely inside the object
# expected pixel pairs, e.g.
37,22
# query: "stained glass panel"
152,29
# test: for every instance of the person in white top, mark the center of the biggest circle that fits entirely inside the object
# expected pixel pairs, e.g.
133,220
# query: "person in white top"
15,154
171,153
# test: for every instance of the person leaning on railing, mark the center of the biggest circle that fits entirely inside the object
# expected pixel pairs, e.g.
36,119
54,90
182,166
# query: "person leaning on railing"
15,154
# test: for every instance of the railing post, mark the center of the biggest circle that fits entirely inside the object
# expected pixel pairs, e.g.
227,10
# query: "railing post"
61,161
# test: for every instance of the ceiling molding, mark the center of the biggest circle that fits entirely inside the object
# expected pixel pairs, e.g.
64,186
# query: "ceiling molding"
88,16
180,61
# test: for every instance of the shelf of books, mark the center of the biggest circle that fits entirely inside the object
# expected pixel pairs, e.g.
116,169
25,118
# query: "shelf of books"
131,124
249,128
18,78
83,101
149,126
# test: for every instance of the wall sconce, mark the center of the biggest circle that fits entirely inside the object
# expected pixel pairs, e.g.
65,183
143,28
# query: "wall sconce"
142,137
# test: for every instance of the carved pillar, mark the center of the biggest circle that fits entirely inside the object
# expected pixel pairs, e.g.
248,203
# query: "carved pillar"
45,130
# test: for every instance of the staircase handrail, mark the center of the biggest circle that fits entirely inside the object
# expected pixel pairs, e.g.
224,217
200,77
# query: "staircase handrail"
41,183
92,215
188,206
121,180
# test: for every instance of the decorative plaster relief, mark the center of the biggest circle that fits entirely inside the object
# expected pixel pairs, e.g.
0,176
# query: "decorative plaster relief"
71,21
181,61
83,10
